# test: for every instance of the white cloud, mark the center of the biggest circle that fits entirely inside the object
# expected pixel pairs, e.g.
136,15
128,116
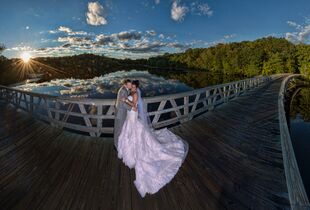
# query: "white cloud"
53,31
204,9
20,48
75,40
95,15
64,29
157,1
302,34
102,39
67,30
151,33
293,24
129,35
125,44
229,36
178,12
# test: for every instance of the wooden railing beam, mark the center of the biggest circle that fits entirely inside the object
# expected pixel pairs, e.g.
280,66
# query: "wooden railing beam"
57,110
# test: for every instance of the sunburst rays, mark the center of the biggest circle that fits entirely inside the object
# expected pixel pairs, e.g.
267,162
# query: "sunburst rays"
27,65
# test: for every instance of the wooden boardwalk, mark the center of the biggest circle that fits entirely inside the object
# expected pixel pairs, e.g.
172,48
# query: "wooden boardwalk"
234,162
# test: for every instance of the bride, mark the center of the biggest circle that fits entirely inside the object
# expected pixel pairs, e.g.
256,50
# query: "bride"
155,155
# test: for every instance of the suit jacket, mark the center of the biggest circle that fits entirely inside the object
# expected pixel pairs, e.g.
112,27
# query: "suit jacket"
120,105
120,113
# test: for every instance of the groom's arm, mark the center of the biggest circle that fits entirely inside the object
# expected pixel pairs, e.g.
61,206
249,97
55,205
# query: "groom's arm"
122,103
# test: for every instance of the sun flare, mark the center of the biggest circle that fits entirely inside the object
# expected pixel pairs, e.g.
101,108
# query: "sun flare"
25,56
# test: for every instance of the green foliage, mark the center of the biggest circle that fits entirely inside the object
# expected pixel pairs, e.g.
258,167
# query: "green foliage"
243,59
274,65
303,59
2,48
249,58
301,104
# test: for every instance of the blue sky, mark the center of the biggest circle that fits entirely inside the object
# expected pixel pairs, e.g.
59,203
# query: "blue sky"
136,29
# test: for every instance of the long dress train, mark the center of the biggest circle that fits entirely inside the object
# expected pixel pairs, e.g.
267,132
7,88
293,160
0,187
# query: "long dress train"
156,155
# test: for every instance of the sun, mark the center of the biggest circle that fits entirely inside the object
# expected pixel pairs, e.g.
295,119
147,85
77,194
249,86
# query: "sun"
25,56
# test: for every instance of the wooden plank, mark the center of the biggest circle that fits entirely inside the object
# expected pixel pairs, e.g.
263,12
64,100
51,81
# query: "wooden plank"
234,162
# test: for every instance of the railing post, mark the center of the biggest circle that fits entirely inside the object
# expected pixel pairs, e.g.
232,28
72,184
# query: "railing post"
186,108
99,120
53,112
224,94
208,97
237,89
57,107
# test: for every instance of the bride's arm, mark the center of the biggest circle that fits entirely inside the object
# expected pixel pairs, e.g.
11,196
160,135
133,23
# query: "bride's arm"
132,103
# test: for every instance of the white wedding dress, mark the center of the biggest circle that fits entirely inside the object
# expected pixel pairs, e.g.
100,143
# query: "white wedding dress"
155,155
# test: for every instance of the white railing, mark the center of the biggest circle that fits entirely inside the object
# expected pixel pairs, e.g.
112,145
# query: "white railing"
96,116
296,191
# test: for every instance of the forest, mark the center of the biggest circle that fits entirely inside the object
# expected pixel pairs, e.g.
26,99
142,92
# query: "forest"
247,58
263,56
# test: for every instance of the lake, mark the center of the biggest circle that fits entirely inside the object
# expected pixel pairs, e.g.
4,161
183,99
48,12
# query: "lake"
300,132
152,83
106,86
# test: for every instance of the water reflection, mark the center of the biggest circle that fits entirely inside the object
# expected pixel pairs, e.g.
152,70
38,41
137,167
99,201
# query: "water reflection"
153,83
300,132
199,79
106,86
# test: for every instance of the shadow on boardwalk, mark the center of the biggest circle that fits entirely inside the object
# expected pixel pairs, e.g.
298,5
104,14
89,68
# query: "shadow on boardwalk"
234,162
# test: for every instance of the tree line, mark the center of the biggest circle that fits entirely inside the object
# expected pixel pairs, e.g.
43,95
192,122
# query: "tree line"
246,59
263,56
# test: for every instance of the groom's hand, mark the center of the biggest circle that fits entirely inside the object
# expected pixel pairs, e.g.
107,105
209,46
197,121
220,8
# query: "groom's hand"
134,109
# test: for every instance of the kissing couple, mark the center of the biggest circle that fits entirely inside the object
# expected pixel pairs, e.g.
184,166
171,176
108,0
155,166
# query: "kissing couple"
156,155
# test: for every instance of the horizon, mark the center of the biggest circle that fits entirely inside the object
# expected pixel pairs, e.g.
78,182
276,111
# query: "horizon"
144,29
154,56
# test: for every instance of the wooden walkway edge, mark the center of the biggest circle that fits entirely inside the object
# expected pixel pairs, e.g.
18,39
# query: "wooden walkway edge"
235,161
297,193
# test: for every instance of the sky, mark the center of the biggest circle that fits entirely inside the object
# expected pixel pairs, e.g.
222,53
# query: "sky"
144,28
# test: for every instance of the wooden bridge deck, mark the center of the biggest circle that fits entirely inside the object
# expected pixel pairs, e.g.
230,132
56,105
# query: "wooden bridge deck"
234,162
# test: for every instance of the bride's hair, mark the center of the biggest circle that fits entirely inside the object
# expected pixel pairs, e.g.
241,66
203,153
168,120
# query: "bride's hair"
136,83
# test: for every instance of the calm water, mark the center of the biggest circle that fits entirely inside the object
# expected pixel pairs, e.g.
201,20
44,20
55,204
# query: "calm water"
152,82
106,86
300,132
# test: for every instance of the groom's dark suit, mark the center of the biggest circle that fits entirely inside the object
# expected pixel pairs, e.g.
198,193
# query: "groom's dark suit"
120,113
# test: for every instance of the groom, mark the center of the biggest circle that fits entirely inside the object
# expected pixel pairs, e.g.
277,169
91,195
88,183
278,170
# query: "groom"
121,109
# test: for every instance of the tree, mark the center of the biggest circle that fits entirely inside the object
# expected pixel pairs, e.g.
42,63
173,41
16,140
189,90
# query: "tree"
274,65
2,48
303,59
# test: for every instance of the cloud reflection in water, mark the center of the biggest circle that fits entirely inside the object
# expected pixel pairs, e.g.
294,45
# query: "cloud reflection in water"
106,86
